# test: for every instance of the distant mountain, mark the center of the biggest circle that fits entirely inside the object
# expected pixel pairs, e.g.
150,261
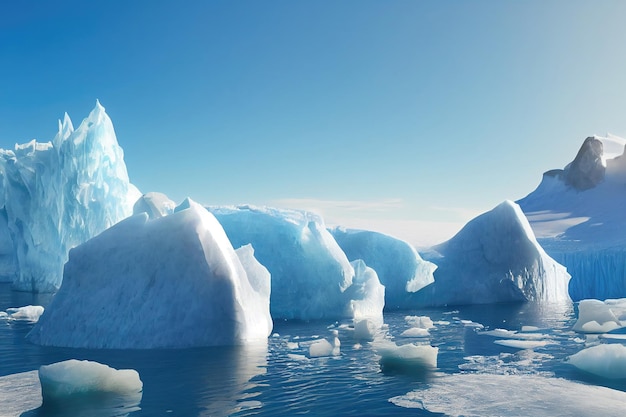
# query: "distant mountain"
578,215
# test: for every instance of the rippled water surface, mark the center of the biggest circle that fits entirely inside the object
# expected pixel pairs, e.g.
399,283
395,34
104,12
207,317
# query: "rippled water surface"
280,379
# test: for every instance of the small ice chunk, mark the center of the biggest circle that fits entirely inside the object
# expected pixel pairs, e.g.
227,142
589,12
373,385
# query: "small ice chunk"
28,313
606,360
63,380
415,332
595,316
405,358
522,344
422,322
324,347
530,328
365,329
292,345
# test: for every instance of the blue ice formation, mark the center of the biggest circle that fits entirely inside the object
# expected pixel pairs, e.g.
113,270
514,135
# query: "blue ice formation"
399,267
577,214
168,282
56,195
495,258
311,275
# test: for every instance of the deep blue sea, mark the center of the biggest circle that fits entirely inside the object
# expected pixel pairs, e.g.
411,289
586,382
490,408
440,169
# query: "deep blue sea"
280,380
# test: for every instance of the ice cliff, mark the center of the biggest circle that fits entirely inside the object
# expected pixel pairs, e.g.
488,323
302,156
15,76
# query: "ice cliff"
173,281
495,258
399,267
311,276
577,214
56,195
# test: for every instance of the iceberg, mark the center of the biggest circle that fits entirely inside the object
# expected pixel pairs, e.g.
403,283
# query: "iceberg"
311,275
174,282
606,360
399,267
73,378
577,216
495,258
56,195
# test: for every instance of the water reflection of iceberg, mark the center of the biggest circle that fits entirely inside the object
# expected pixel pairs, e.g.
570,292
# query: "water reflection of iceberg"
202,381
212,381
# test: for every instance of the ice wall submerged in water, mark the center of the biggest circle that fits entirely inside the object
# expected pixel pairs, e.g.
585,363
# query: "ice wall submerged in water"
56,195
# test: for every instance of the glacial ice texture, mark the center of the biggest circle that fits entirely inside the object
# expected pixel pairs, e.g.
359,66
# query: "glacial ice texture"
310,273
496,258
399,267
56,195
176,281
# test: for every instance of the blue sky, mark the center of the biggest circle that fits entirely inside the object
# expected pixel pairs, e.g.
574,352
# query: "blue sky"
409,117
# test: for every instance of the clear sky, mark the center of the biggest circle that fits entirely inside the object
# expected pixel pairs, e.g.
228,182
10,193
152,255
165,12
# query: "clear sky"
409,117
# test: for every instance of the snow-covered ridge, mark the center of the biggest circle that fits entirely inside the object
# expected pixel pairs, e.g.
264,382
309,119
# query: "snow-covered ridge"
585,228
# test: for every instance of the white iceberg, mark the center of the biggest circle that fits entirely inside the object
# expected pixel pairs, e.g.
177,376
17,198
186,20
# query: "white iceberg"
495,258
408,358
399,267
311,276
173,281
324,347
56,195
28,313
75,378
605,360
595,316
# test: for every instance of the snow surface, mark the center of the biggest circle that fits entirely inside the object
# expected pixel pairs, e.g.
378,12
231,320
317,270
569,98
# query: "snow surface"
399,267
495,258
176,281
585,230
56,195
606,360
513,395
311,276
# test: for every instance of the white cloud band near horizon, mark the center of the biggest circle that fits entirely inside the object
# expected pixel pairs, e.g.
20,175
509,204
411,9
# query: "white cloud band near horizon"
392,216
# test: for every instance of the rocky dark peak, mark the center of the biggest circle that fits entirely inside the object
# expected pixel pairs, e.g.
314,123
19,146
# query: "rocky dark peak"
586,170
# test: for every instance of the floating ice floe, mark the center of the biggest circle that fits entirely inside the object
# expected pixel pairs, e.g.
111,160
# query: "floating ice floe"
75,378
324,347
605,360
28,313
408,358
595,316
513,396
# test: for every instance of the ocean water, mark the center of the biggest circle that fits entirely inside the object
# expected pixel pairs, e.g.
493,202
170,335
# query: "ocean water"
473,371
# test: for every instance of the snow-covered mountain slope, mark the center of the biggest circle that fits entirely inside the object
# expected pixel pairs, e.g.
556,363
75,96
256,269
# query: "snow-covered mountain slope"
579,217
